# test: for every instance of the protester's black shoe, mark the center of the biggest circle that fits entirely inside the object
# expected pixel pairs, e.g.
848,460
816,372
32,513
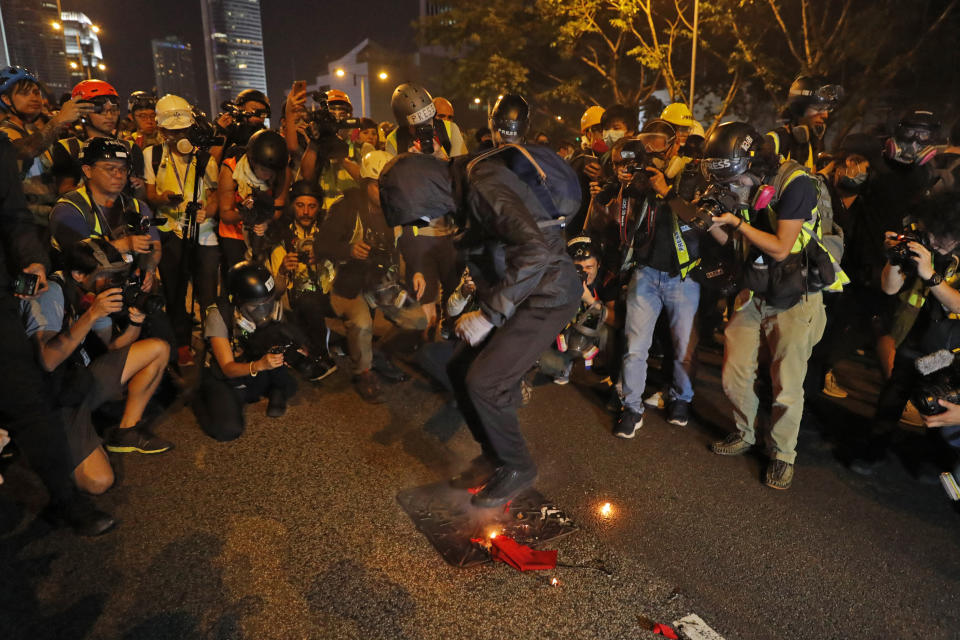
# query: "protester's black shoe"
80,515
385,367
136,439
628,424
505,485
321,368
678,413
479,472
276,403
368,386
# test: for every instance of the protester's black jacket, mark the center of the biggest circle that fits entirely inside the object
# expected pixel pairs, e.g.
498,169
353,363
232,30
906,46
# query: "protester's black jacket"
21,242
522,261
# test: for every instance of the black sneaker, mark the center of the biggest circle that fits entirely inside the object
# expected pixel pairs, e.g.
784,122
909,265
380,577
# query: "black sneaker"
80,515
505,485
276,403
678,413
628,424
368,386
321,368
135,439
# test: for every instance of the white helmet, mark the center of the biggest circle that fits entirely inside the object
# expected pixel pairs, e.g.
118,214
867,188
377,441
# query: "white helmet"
373,164
173,112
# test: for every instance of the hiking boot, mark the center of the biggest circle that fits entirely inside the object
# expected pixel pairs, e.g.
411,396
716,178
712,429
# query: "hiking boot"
368,386
321,368
504,486
732,445
276,403
80,515
628,424
679,413
135,439
831,388
779,474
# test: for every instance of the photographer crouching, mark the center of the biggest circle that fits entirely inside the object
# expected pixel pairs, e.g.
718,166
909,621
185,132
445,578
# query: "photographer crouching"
248,346
774,212
90,361
921,270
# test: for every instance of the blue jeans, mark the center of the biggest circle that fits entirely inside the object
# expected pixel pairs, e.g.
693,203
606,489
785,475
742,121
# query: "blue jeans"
650,291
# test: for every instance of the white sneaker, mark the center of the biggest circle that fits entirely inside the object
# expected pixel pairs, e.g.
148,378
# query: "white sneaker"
831,388
655,400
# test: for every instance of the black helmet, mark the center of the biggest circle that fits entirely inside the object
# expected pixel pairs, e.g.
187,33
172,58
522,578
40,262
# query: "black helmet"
416,188
250,283
268,149
917,125
510,118
730,151
255,95
104,149
412,104
807,91
141,100
582,248
305,188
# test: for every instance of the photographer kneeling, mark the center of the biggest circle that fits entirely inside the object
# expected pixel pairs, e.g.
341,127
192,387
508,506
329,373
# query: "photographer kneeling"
921,269
249,346
91,362
781,302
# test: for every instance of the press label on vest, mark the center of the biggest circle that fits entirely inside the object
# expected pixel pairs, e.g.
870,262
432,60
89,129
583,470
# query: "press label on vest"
269,284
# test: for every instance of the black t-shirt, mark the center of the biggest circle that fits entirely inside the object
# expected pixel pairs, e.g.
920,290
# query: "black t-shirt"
797,201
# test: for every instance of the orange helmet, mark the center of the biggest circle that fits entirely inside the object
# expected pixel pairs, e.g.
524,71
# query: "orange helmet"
335,95
90,89
443,106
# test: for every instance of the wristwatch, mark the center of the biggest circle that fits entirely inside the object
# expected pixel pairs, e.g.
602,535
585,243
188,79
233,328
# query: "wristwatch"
934,280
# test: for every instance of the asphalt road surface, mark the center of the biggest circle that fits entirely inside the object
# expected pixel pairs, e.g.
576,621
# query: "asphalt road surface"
293,531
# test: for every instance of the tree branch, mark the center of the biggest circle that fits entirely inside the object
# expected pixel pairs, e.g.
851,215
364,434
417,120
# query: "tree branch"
783,28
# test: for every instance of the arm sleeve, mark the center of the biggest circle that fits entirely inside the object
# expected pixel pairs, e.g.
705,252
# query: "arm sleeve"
502,214
148,175
68,226
45,312
214,327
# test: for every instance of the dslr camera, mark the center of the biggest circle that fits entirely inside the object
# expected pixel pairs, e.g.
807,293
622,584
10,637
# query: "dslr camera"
716,199
633,160
900,254
202,133
133,294
323,127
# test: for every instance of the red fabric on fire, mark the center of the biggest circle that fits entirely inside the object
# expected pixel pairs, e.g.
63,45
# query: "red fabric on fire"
520,556
665,630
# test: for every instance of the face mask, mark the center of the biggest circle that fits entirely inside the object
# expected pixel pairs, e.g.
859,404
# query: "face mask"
800,133
184,146
852,185
674,167
612,135
599,146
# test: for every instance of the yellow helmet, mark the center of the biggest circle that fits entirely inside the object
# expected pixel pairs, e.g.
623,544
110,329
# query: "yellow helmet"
591,117
678,114
696,129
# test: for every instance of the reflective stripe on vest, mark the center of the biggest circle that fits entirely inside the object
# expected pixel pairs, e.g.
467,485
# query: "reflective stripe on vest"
683,255
81,201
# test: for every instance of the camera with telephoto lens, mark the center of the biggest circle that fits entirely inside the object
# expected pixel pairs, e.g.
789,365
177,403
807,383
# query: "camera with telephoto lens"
901,255
133,294
323,127
257,208
716,200
202,133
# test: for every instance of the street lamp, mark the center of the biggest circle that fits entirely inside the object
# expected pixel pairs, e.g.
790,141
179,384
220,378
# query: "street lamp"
56,25
476,101
102,67
73,64
94,28
383,75
340,73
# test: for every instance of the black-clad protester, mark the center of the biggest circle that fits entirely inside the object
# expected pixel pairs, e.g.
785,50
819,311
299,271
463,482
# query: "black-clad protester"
25,408
528,289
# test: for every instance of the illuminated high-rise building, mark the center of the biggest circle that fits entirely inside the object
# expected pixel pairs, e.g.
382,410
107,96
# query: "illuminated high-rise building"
173,68
31,40
233,43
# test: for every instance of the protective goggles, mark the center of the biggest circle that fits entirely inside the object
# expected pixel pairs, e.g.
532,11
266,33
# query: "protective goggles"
827,96
104,103
922,135
257,113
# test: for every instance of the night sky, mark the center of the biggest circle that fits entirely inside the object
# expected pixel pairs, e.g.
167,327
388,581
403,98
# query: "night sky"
299,37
